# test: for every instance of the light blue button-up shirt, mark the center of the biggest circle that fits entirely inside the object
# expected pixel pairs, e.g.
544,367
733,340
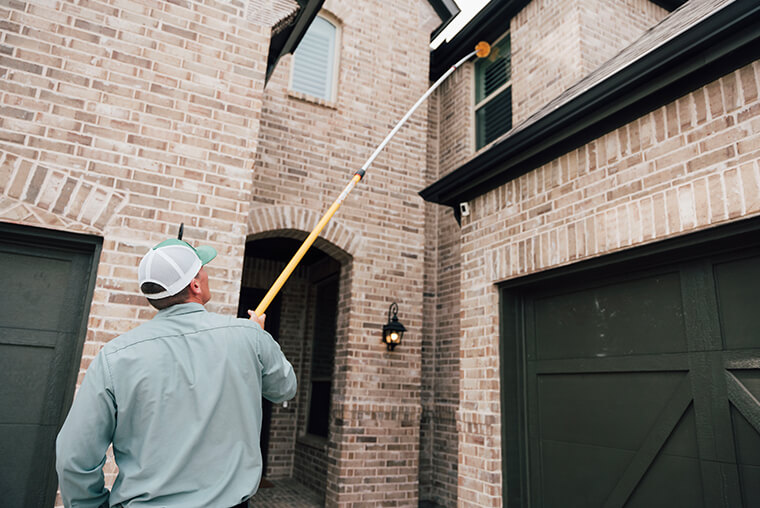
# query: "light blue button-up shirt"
180,399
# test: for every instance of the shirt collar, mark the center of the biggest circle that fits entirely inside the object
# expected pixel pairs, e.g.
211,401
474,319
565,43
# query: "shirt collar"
180,309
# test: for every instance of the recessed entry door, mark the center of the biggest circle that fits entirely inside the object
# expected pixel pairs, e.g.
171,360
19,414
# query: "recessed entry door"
47,281
640,387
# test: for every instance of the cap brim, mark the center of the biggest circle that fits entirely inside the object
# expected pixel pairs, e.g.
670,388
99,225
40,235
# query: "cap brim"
205,253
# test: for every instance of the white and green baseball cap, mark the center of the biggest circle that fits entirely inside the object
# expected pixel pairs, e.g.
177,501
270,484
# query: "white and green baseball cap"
172,264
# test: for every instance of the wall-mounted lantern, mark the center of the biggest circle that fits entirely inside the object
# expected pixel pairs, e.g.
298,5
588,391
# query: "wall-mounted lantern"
393,331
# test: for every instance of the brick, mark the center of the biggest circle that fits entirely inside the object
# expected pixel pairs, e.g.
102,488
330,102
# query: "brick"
700,105
730,92
701,202
48,145
35,184
714,158
715,99
717,198
95,27
20,65
751,186
57,98
6,111
79,35
186,34
747,144
12,136
68,77
64,196
748,82
734,194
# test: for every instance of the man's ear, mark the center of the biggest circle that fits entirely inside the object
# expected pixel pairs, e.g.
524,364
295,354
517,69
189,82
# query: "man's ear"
195,286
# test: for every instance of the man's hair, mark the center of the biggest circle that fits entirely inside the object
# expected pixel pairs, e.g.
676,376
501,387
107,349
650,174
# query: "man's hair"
150,288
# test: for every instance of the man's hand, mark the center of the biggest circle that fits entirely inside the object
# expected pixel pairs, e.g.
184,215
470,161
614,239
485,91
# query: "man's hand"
259,319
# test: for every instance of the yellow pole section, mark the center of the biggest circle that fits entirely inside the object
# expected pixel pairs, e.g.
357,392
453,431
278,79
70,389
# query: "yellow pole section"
304,247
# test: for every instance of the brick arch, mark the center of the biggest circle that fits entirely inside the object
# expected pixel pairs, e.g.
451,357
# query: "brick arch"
336,239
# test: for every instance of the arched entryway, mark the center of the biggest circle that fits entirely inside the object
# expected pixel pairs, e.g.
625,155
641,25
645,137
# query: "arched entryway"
305,319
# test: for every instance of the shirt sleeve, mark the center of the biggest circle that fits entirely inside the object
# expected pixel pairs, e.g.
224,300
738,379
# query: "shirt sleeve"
278,380
84,439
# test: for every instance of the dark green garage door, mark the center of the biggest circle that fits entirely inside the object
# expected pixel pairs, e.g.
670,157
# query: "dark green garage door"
47,280
635,386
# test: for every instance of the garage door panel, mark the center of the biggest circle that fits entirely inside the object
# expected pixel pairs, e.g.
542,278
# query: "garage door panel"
743,392
672,480
577,475
660,364
747,440
683,440
21,473
634,317
36,282
23,394
750,380
48,278
750,484
29,337
738,287
638,363
610,409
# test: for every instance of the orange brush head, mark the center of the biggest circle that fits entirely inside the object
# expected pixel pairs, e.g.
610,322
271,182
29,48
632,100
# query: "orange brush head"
482,49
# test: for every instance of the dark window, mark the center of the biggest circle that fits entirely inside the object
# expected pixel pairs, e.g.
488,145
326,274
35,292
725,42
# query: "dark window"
322,357
493,94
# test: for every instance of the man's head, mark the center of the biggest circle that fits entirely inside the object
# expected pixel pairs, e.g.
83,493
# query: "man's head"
172,272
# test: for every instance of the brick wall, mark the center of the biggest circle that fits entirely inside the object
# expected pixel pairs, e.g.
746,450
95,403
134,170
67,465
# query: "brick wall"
307,153
684,167
607,27
438,458
555,43
311,464
122,119
456,141
427,395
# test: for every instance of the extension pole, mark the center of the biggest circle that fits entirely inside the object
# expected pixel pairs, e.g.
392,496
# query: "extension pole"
482,50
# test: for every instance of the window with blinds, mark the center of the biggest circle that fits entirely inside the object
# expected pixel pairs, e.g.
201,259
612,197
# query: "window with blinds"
314,60
493,94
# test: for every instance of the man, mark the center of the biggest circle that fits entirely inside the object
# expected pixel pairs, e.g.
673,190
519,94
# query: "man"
179,397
